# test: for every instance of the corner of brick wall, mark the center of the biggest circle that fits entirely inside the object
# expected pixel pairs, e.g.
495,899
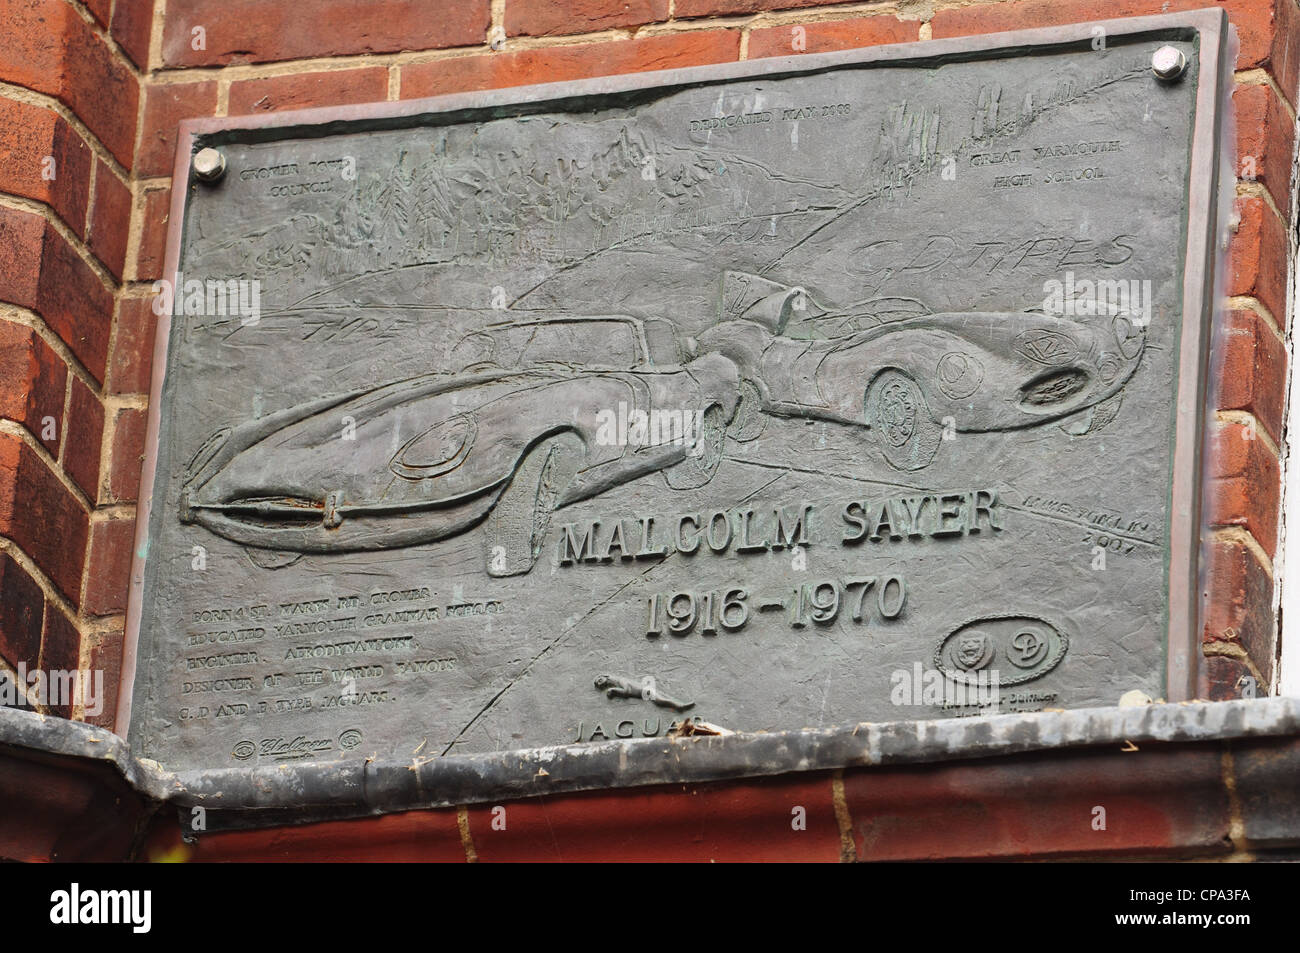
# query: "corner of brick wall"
70,90
98,87
1240,636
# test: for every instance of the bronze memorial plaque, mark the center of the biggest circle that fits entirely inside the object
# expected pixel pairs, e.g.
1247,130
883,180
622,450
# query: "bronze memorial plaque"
781,395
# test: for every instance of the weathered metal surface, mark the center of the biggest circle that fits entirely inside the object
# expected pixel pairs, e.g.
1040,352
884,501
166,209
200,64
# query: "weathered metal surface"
768,397
365,787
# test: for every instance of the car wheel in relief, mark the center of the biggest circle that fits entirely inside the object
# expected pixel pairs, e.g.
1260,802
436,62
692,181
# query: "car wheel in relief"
899,418
704,458
749,420
517,525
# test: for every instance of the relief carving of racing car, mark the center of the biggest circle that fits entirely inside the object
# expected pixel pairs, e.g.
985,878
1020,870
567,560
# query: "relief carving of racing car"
903,379
427,458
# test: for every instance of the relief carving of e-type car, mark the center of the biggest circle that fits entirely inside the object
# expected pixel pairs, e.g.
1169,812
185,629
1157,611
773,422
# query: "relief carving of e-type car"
905,380
428,458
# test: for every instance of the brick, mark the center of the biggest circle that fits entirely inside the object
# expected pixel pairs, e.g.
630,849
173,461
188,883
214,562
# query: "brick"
108,565
127,455
1160,799
556,17
153,234
21,239
131,363
262,31
1284,61
1257,255
51,49
1245,486
1251,371
74,302
69,193
1267,795
165,105
31,135
707,8
33,52
410,837
41,271
110,220
1265,138
22,609
563,63
822,37
60,641
42,516
69,812
33,384
132,26
101,9
103,92
1252,18
1237,604
749,821
84,438
303,90
1223,678
106,656
60,650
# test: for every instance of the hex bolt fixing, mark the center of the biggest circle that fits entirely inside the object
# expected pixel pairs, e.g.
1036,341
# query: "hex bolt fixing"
1168,63
209,165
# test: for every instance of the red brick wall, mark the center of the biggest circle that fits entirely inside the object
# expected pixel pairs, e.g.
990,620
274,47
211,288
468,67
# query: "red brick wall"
72,77
1166,804
100,85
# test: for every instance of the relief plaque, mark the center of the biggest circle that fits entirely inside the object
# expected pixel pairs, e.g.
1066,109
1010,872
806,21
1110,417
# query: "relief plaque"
781,395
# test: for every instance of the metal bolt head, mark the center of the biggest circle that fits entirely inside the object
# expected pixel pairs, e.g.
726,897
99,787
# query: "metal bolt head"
209,165
1168,63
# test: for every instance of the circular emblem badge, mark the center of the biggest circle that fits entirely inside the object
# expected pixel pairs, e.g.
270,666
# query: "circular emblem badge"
1015,649
897,412
970,652
1043,346
1027,647
958,374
